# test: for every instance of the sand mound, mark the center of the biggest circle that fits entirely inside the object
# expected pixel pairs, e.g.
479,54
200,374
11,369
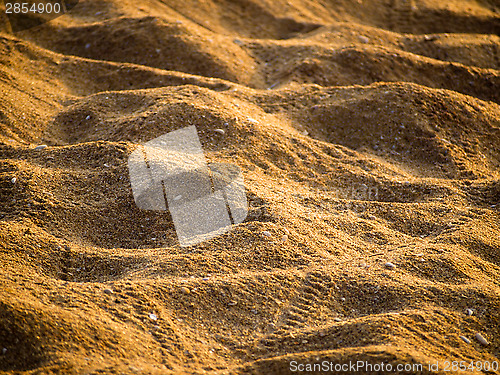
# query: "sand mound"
367,134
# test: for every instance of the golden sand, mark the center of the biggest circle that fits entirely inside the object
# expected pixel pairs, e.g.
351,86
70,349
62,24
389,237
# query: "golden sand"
368,133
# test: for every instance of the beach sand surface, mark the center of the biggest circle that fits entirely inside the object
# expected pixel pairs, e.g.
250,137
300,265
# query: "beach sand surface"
368,136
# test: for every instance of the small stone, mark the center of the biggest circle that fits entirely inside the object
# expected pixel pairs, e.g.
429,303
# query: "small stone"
206,278
185,290
41,147
232,303
87,46
238,42
337,319
430,38
469,312
106,165
465,339
481,339
363,39
108,291
254,311
220,131
13,180
284,238
4,350
304,341
252,120
322,334
88,117
389,265
266,233
153,317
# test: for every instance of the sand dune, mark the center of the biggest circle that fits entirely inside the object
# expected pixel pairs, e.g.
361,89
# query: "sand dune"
368,134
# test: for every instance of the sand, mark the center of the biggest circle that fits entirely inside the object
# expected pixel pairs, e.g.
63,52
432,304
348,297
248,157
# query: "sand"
368,135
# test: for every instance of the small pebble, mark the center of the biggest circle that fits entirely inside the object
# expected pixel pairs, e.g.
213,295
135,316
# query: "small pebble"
465,339
206,279
108,291
469,312
238,42
106,165
430,38
322,334
153,317
88,117
252,120
481,339
266,233
4,350
13,180
220,131
337,319
41,147
232,303
254,311
284,238
389,265
185,290
363,39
